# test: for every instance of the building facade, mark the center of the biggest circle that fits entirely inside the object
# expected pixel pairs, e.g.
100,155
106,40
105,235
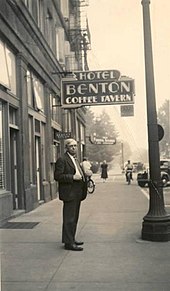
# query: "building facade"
41,42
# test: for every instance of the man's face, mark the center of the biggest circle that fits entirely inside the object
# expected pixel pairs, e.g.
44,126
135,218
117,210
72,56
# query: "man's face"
72,148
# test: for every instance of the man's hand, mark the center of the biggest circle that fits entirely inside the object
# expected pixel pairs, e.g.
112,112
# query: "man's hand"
77,177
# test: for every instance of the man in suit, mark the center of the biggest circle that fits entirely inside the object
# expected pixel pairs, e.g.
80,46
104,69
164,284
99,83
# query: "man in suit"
72,190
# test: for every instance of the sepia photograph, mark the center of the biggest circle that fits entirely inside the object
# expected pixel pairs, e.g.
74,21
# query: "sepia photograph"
84,145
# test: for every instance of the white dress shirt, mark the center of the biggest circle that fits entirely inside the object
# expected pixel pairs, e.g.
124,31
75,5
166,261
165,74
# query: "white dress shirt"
74,162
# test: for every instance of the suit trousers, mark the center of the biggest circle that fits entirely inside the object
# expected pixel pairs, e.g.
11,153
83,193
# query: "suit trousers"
71,211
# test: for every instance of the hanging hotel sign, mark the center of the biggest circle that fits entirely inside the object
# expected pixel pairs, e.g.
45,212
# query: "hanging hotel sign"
97,88
97,75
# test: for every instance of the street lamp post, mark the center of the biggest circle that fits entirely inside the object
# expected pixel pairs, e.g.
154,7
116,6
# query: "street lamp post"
156,223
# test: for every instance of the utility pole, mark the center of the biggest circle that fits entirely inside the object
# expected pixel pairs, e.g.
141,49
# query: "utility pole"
168,128
156,223
122,155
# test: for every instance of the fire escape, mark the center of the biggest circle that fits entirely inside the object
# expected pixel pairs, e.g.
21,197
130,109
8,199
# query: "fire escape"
79,33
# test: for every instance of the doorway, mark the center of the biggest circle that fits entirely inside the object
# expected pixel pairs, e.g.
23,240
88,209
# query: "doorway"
37,164
14,167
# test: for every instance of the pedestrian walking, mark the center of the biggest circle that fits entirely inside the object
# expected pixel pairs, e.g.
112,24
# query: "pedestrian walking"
104,171
72,190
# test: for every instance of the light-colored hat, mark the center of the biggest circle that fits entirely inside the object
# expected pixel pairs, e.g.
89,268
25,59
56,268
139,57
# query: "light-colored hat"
70,141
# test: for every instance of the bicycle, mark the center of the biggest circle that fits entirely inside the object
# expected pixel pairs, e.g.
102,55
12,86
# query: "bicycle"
90,186
129,176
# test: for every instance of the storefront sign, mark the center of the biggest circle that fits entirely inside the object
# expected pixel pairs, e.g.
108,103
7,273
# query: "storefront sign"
102,141
86,93
62,135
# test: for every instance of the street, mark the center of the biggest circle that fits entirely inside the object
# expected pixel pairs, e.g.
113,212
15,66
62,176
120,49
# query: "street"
114,256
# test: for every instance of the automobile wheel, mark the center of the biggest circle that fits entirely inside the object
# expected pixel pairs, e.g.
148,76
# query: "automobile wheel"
164,181
141,183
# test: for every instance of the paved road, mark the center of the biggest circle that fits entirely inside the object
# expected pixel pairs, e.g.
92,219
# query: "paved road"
114,256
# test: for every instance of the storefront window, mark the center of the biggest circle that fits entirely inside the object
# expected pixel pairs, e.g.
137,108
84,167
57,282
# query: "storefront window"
2,174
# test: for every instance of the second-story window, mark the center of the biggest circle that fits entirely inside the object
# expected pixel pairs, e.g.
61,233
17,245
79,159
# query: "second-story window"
35,92
8,68
28,3
40,14
49,20
60,44
64,6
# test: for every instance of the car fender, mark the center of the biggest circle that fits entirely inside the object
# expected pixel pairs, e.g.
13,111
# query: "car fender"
165,174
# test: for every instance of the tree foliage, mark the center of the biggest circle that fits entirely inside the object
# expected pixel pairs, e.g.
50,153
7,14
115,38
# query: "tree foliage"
102,127
164,121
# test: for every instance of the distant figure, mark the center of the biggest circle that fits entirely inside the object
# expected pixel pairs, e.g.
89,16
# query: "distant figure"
104,174
128,168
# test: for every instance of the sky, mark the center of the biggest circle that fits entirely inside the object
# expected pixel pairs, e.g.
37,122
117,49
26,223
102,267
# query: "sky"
117,42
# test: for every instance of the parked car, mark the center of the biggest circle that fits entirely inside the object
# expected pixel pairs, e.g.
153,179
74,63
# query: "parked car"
137,166
143,177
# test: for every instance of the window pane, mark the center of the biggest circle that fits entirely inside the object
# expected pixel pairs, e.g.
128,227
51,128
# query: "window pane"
35,92
67,123
11,62
37,126
4,75
55,108
38,94
60,42
82,133
65,8
40,14
50,29
12,115
29,89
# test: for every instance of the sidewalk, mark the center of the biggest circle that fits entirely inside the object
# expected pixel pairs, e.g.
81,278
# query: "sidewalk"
114,256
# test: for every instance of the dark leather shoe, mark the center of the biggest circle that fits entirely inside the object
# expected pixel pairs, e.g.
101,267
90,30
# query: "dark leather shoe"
73,247
78,243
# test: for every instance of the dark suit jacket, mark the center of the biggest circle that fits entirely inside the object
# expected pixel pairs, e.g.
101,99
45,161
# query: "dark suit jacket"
64,171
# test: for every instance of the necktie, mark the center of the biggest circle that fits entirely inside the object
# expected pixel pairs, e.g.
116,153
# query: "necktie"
79,169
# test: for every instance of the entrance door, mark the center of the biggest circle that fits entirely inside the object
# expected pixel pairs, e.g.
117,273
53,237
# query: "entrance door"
37,154
14,167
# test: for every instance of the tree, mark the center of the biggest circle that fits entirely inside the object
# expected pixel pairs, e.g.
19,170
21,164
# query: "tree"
164,121
102,127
